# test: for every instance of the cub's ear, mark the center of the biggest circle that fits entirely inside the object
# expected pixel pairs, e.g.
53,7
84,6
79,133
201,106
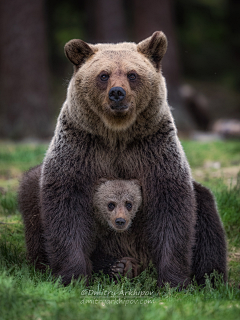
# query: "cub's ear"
102,180
99,182
78,51
154,48
137,182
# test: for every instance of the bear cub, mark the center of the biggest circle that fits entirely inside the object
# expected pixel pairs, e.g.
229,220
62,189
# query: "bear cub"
115,204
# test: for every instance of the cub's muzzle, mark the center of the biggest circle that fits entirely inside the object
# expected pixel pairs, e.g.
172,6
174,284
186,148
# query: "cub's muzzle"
120,222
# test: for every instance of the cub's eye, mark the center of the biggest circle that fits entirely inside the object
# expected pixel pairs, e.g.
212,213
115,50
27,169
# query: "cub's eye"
132,76
111,206
128,206
104,77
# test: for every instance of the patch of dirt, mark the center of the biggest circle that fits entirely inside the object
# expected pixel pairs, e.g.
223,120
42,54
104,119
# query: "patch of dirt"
234,254
212,170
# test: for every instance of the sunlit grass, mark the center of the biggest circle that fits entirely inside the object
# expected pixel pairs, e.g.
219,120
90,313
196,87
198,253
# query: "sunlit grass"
227,153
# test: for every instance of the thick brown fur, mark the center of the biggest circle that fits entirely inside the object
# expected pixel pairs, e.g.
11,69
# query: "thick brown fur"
210,250
29,206
93,140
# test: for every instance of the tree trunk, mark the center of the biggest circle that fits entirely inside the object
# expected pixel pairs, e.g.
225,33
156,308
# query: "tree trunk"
24,103
233,13
106,21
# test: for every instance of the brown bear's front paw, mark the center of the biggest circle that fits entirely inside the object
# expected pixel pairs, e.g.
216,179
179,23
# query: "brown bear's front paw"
125,267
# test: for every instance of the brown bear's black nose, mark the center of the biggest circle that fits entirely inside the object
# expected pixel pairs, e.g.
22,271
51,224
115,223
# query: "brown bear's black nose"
120,222
117,94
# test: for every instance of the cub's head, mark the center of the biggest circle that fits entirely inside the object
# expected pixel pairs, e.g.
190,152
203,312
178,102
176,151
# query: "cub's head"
116,203
114,83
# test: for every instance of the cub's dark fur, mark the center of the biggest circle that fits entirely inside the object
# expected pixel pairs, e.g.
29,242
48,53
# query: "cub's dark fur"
127,136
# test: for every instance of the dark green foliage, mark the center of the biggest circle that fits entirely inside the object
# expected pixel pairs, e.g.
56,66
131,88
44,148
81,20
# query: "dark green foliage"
202,25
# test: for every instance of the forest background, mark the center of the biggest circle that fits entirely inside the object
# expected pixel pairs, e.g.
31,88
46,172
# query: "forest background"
202,64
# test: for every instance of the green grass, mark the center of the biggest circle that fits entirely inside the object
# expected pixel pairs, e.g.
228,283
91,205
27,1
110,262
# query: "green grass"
20,156
225,152
28,294
229,208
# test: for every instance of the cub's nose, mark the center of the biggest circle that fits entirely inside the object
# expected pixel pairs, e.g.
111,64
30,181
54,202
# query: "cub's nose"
120,222
117,94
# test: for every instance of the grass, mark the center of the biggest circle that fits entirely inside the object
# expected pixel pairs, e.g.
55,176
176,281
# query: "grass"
28,294
225,152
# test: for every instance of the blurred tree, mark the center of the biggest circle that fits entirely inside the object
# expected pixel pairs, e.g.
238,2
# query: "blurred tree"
203,33
66,21
106,21
24,104
153,15
234,37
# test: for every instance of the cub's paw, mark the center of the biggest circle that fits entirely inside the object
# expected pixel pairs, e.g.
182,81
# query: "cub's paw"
127,267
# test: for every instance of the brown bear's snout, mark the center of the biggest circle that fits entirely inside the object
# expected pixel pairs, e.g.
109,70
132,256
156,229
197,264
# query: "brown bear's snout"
117,94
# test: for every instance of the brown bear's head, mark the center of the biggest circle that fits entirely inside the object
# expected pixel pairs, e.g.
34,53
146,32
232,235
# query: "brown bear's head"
116,202
116,84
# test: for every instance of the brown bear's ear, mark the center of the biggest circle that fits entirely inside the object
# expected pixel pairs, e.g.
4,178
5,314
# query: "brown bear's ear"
77,51
154,48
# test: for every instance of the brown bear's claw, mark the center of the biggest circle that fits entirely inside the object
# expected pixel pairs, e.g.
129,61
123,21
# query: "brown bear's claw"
127,267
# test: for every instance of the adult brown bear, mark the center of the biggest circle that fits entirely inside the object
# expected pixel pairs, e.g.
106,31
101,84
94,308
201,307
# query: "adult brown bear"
116,124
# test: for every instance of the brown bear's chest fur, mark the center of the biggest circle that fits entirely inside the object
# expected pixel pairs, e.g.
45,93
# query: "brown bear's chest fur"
94,159
85,159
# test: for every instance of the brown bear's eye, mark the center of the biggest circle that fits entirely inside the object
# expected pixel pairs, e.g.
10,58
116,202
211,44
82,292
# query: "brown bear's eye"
111,206
128,206
132,76
104,77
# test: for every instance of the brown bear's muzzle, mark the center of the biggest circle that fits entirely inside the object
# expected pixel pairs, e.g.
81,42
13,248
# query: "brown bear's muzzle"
116,96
